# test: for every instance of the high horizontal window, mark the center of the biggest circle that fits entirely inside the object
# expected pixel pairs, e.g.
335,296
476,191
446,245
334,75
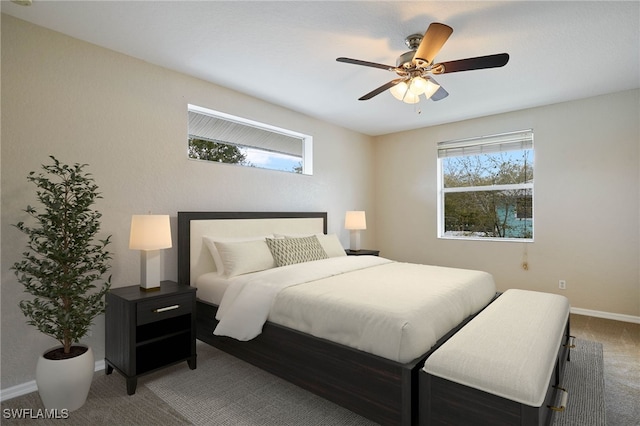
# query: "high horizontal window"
486,187
223,138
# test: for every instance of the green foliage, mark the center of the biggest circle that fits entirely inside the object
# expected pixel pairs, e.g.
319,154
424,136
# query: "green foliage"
62,261
202,149
483,213
488,213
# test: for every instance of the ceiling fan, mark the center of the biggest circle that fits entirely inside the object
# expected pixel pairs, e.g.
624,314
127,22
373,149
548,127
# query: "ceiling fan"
416,67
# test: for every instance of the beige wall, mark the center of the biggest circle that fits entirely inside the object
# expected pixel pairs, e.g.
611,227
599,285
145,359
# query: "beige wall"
128,120
586,202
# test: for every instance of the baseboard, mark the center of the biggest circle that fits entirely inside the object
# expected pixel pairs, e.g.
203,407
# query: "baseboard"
606,315
18,390
25,388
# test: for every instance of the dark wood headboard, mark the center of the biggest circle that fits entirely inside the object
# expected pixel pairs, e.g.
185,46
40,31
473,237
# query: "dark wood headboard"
184,230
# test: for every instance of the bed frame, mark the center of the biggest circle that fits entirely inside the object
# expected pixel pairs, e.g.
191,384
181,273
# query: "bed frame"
374,387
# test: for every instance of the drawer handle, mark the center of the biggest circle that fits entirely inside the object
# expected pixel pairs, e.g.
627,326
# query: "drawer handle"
563,400
570,342
167,308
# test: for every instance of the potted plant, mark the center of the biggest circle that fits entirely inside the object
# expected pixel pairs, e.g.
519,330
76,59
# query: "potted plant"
60,269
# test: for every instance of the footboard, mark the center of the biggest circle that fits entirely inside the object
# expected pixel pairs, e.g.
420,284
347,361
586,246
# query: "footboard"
377,388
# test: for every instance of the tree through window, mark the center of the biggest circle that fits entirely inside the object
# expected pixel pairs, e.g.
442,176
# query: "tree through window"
202,149
486,187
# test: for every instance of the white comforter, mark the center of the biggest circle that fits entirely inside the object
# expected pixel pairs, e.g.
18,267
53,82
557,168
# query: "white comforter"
394,310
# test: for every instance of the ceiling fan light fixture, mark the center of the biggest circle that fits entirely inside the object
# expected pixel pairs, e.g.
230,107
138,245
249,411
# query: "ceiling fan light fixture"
410,98
409,91
418,85
402,93
399,90
431,87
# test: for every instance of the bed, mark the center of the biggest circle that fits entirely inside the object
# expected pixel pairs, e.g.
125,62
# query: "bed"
375,376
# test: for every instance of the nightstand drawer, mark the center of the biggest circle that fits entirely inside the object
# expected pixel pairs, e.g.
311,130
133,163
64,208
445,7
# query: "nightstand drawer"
163,308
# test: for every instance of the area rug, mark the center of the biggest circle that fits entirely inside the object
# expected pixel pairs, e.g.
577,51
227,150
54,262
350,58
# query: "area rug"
226,391
584,380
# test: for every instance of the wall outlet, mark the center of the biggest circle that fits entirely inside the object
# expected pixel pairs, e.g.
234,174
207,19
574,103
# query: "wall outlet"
562,284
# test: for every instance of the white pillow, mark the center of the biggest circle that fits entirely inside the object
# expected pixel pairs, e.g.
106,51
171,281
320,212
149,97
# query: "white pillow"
331,245
329,242
210,243
244,257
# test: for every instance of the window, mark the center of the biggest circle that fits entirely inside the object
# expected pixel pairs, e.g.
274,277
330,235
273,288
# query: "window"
486,187
223,138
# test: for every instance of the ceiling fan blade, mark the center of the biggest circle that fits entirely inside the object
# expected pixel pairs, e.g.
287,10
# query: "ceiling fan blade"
434,38
366,63
478,63
380,89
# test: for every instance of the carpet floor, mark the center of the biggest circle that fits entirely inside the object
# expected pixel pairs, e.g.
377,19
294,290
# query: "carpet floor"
584,380
226,391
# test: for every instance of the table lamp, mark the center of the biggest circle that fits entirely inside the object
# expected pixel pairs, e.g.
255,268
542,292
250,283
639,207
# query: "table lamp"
355,221
150,234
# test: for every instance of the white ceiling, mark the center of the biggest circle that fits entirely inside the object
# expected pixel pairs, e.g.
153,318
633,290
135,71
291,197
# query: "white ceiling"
284,52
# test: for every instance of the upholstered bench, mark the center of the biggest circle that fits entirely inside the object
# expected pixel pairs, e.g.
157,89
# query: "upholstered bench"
503,368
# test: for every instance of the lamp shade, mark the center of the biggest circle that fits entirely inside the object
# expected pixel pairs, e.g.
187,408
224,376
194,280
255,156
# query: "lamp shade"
431,87
401,92
150,232
418,86
355,220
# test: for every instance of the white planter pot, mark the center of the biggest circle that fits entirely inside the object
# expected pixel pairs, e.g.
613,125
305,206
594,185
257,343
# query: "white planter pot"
65,383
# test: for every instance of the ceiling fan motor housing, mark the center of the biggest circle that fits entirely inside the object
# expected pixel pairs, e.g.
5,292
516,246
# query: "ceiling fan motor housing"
405,60
413,41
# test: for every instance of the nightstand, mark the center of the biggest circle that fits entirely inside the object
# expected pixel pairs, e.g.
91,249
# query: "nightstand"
362,252
149,330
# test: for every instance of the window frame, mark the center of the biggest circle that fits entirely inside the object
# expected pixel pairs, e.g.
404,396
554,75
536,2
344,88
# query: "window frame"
306,140
478,142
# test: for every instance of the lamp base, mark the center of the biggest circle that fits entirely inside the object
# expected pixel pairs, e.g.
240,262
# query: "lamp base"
150,270
354,240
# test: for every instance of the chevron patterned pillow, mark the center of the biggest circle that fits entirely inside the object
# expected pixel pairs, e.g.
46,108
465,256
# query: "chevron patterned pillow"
288,251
